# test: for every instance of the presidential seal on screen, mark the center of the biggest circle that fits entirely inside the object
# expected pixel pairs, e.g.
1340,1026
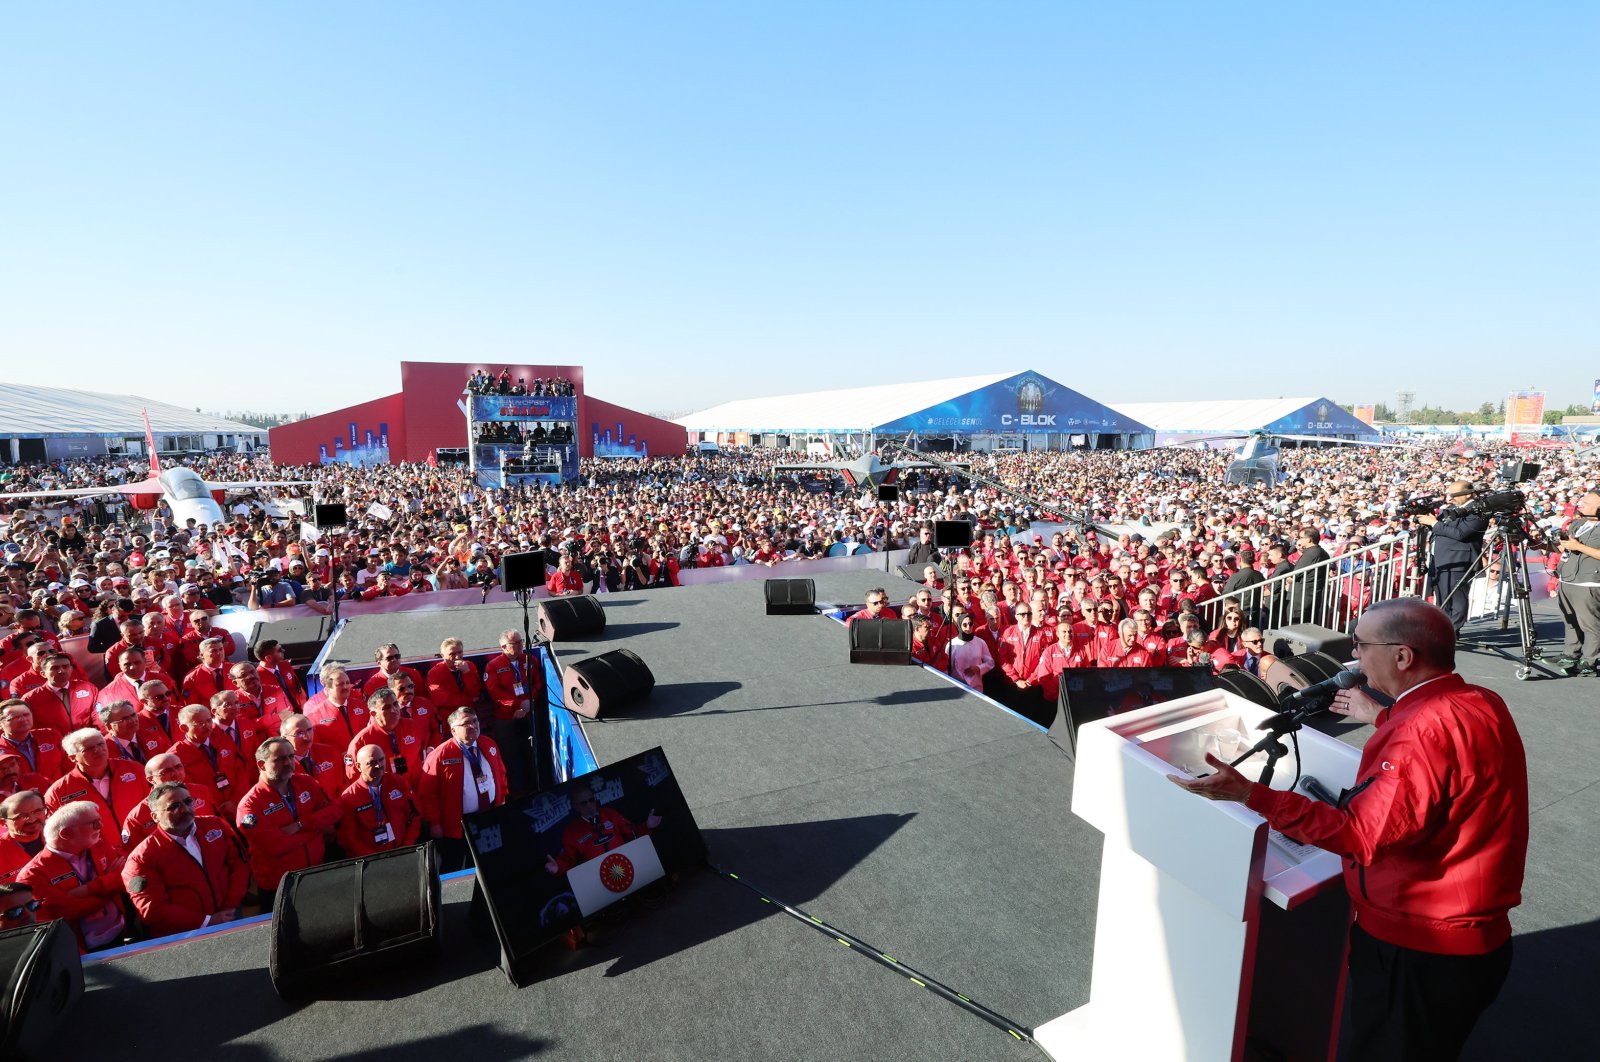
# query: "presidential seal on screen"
616,872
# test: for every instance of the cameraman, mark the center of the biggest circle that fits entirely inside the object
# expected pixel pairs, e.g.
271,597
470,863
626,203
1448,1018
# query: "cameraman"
1457,543
1579,596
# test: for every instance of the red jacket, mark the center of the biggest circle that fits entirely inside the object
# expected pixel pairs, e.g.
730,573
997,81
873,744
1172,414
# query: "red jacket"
173,893
226,773
50,709
122,688
285,681
128,790
189,646
247,736
43,756
330,725
326,767
1019,663
1435,830
1055,659
201,684
449,690
411,742
378,680
268,710
264,815
499,680
568,583
1112,654
359,828
52,879
439,790
140,823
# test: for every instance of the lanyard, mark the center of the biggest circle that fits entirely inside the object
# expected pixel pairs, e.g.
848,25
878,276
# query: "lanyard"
377,803
474,764
289,801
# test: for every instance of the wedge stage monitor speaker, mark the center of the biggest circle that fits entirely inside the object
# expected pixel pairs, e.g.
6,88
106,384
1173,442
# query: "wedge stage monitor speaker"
1302,638
791,597
1090,693
329,515
880,641
563,618
335,924
302,639
522,571
607,684
888,492
42,980
951,534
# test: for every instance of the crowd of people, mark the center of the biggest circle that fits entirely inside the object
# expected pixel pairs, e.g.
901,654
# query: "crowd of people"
178,792
484,383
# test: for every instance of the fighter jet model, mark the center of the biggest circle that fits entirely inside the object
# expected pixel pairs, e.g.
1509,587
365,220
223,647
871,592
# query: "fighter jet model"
186,494
1256,459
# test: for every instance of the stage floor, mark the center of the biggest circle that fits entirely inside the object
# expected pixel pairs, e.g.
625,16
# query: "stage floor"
882,800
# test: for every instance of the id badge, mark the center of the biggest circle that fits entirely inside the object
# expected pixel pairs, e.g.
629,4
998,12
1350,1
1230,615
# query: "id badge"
519,690
222,782
383,834
483,785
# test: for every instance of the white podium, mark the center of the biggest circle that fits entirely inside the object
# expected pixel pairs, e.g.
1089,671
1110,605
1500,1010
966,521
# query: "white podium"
1211,928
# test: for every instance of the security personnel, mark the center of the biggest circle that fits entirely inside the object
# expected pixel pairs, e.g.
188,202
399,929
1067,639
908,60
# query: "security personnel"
379,813
286,818
189,873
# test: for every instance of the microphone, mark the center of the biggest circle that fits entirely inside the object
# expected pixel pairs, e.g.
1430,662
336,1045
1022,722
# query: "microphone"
1317,790
1341,680
1295,706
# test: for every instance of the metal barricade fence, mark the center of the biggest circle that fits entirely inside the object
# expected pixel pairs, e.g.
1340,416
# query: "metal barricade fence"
1332,593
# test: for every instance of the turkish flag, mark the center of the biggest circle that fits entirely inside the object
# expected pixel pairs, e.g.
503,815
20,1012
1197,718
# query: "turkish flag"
433,458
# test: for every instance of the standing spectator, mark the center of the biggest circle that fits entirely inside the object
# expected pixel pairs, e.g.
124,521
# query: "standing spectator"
970,657
188,873
461,776
379,813
453,682
388,658
286,817
115,786
78,876
40,748
337,712
514,682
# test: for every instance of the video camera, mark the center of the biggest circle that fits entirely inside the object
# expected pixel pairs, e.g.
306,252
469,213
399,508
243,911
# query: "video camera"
1423,504
1504,501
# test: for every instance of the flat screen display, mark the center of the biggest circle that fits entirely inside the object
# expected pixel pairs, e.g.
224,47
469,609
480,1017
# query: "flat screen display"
1089,693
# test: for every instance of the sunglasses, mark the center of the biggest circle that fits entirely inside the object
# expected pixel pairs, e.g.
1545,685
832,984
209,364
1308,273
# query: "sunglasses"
21,909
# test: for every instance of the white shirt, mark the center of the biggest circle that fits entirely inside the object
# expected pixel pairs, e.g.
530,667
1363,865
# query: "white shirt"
191,844
469,781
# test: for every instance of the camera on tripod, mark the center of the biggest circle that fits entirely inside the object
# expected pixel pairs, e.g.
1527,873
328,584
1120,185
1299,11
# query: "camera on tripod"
1503,501
1422,505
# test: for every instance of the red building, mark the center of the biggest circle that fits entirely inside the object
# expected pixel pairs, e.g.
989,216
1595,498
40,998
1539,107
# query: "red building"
427,414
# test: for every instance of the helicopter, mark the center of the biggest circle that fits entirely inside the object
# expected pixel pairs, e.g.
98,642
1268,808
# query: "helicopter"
1256,459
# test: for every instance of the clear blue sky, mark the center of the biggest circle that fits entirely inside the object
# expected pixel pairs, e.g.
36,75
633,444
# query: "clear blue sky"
269,206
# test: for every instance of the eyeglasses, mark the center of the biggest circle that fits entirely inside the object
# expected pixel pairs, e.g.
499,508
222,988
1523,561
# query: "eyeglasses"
391,656
1357,643
1252,641
21,909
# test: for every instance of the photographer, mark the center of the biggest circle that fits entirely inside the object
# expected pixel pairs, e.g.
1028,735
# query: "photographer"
1457,542
1579,596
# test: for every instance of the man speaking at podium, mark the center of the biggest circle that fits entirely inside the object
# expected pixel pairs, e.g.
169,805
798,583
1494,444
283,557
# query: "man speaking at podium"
1434,834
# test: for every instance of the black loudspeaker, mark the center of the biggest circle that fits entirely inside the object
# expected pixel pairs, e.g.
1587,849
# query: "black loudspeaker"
342,921
561,618
1253,689
42,978
888,492
1302,638
522,571
1283,677
791,597
329,515
880,641
302,639
951,534
605,684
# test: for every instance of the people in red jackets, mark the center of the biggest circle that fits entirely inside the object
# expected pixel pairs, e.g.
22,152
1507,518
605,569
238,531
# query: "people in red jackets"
461,776
337,712
925,649
133,637
119,722
877,601
379,812
158,721
514,682
115,786
134,669
198,631
565,581
405,742
388,657
285,818
41,748
258,701
16,778
229,720
23,680
1057,657
384,585
1125,650
189,872
275,670
165,768
78,876
161,643
454,681
1021,646
23,815
209,757
415,706
62,703
317,760
209,676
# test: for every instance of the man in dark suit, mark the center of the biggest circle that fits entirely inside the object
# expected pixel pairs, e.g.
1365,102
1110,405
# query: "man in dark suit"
1457,543
1310,600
